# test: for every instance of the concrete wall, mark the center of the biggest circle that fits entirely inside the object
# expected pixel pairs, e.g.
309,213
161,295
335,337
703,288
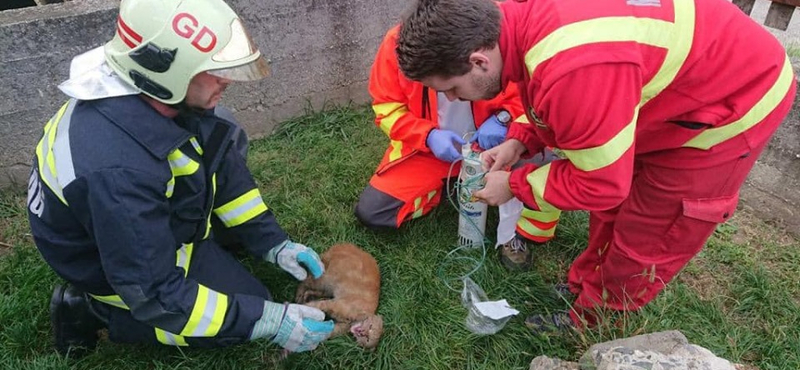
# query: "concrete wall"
321,51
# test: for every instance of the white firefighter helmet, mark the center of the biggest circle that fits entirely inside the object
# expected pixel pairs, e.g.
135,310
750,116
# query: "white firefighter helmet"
160,45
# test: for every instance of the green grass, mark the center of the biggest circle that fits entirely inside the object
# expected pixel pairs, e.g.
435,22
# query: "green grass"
739,298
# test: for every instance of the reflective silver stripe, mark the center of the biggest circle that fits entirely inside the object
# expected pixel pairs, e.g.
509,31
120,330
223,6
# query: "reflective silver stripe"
184,256
208,314
240,210
170,187
181,164
44,153
168,338
65,169
180,160
196,145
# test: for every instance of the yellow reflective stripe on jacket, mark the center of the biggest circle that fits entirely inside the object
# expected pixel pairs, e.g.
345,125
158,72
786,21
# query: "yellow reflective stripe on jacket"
541,216
538,181
388,114
397,150
767,104
196,145
595,158
181,164
170,187
241,209
113,300
207,315
184,257
170,339
213,199
53,152
676,37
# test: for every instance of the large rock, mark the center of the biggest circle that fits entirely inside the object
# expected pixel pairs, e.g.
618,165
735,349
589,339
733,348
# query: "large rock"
667,350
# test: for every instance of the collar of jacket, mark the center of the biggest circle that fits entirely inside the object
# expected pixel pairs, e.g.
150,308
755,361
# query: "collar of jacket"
510,26
158,134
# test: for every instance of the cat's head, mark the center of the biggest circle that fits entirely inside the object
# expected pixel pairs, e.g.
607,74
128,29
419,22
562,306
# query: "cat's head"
368,332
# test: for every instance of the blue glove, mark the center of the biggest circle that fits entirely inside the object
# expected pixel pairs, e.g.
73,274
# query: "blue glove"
289,255
491,133
295,327
441,144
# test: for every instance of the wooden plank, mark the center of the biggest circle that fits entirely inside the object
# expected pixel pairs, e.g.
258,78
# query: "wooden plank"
779,16
787,2
745,5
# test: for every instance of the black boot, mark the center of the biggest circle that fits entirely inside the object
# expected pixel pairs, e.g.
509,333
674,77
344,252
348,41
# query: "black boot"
75,324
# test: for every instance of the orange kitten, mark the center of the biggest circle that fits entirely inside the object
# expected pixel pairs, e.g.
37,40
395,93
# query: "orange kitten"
348,292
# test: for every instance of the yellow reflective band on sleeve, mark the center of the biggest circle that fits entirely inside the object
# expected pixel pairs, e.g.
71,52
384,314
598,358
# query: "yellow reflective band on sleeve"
676,37
180,164
165,337
541,216
713,136
207,315
388,114
591,159
241,209
538,182
397,150
533,230
113,300
184,257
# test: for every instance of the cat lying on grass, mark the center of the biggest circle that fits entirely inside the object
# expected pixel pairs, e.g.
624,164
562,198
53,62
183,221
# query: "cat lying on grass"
348,292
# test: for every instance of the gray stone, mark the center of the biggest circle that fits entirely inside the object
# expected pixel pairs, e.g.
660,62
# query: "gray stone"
658,351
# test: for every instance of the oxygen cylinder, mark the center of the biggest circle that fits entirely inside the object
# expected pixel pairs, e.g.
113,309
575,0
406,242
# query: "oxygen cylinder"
472,214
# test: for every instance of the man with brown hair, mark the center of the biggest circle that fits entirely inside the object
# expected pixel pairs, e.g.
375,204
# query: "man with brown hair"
425,131
660,107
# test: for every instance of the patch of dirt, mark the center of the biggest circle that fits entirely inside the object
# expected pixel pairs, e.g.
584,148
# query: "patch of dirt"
701,280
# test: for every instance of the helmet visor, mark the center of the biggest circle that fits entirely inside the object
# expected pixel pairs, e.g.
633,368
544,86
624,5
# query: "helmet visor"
252,71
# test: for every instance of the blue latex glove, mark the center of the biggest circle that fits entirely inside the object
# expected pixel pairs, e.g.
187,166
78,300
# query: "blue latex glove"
491,133
295,327
289,255
441,144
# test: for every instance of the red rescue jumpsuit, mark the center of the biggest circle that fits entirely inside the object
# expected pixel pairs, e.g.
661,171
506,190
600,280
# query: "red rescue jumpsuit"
661,108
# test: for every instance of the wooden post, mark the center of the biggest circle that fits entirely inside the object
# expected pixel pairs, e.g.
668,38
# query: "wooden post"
779,15
745,5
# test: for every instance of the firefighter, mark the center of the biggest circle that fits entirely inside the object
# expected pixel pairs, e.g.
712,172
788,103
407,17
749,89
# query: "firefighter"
426,130
661,108
138,179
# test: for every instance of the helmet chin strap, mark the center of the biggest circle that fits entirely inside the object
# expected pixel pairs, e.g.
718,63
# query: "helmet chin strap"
185,110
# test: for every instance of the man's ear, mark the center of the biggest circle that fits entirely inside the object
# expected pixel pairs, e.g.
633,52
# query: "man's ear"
479,59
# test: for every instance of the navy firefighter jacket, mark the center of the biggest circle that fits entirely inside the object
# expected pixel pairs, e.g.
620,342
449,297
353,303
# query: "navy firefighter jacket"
118,197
